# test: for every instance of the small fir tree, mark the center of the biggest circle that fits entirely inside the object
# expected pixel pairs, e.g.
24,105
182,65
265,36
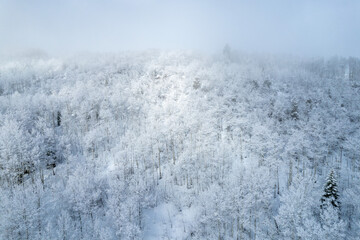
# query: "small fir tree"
331,195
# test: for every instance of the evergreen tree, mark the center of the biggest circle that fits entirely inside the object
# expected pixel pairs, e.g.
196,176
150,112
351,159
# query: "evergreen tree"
58,118
331,194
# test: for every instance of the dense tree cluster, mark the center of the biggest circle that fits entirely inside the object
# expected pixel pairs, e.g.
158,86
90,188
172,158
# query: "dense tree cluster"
179,145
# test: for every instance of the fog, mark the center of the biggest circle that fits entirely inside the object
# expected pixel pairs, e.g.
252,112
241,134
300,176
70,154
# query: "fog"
315,28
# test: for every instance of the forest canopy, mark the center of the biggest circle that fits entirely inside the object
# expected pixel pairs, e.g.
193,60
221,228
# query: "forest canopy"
179,145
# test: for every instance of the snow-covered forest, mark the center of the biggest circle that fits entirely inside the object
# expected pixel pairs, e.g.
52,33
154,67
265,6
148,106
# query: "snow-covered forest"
179,145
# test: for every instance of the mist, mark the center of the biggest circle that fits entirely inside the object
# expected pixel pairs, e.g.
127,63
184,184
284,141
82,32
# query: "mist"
310,28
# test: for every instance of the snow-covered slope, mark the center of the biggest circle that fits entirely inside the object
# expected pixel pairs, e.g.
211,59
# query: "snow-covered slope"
178,145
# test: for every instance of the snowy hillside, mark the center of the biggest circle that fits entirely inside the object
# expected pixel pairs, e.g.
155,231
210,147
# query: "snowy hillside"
179,145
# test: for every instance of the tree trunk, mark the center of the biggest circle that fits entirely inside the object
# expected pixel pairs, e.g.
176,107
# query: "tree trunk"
159,165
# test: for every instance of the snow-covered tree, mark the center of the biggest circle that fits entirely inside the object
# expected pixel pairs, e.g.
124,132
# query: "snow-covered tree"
331,194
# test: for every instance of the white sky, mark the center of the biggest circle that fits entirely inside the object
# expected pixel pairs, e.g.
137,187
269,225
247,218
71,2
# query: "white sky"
309,27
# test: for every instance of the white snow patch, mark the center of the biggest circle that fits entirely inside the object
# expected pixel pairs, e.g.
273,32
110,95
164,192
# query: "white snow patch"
167,222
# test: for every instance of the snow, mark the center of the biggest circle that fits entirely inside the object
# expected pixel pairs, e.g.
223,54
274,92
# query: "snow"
168,222
142,153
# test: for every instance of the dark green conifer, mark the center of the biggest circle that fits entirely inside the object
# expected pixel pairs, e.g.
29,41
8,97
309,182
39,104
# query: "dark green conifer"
331,195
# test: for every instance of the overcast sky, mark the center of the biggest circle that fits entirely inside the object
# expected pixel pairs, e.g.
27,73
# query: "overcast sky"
309,27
